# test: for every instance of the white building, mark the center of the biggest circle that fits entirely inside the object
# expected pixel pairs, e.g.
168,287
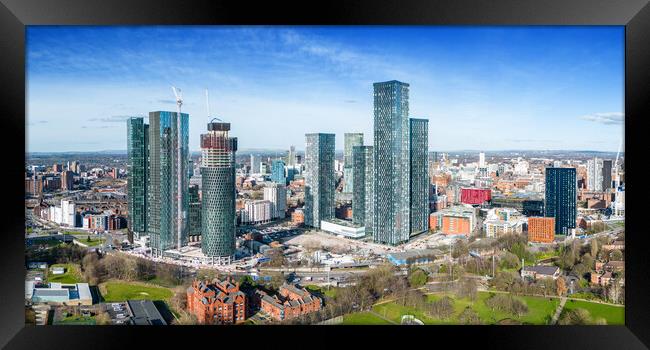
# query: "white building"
256,212
501,221
521,167
343,228
68,213
277,195
595,174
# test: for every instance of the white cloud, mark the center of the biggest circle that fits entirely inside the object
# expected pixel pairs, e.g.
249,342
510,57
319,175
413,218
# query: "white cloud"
613,118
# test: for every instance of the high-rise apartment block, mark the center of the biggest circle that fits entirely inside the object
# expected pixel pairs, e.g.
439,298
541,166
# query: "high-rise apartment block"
350,140
419,171
319,178
607,174
595,174
362,158
218,193
561,197
277,172
391,163
255,164
276,194
195,214
168,184
137,167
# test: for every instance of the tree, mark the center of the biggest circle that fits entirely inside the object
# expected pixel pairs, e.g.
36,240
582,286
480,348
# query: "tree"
509,261
460,249
467,288
417,278
560,286
616,254
103,318
594,247
469,316
575,317
442,308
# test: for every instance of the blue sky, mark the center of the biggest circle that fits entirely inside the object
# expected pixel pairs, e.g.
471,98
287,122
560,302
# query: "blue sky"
482,88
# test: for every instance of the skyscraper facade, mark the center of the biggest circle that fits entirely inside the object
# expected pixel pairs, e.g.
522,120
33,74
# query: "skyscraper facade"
391,163
350,140
255,164
319,178
137,168
560,198
419,187
277,172
218,218
194,231
276,193
595,174
607,174
362,207
291,156
167,228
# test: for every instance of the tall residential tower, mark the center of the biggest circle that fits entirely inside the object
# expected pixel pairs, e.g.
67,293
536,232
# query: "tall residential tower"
391,224
419,187
164,194
561,197
137,167
319,178
218,218
362,196
350,140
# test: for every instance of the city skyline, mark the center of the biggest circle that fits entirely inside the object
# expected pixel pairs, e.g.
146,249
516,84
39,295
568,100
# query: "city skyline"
579,82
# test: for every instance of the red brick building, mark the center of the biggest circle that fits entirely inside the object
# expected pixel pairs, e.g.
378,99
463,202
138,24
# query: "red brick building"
219,302
291,302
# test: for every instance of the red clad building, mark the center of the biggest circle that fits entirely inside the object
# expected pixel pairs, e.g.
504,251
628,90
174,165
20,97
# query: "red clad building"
475,195
219,302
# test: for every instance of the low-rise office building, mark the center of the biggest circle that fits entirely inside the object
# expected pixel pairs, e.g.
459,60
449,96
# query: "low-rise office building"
343,228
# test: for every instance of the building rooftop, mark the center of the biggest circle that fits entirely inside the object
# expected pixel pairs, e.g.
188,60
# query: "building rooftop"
542,269
145,313
412,254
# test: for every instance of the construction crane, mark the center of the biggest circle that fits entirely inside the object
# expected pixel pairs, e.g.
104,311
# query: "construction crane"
207,105
617,180
179,174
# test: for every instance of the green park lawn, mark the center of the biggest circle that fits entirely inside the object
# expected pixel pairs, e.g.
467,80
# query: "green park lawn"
331,292
540,310
94,241
363,318
122,291
72,274
614,315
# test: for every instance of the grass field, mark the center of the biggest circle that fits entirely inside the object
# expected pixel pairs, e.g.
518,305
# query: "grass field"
331,292
94,241
72,274
122,291
363,318
76,320
614,315
540,310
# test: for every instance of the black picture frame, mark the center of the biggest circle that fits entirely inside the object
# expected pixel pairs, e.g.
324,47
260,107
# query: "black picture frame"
16,14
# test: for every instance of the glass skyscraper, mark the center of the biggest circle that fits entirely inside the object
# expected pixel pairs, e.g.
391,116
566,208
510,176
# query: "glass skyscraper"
319,178
137,167
350,140
561,198
391,223
194,231
277,172
163,191
419,136
362,207
218,193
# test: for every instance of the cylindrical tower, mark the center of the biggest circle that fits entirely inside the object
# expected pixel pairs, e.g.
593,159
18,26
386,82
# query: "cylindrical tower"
218,217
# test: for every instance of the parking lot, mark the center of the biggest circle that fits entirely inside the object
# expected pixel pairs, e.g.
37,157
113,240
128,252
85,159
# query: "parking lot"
119,313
